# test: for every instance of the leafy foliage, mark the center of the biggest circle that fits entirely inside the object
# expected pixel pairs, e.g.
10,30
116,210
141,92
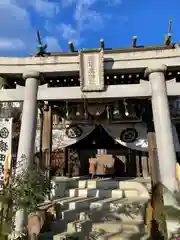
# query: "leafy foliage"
24,191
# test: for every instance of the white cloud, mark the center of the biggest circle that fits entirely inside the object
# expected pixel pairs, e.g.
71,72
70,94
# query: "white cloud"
91,20
67,3
69,33
11,44
85,18
53,44
114,2
44,7
18,36
15,27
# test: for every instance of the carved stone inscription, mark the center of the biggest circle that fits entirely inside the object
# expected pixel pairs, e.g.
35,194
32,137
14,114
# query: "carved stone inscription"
91,70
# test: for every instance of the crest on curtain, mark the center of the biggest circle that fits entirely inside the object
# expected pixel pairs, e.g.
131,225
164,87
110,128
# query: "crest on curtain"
74,131
66,136
134,135
129,135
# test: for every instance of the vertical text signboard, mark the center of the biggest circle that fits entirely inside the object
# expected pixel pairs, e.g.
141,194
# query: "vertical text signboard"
5,142
91,70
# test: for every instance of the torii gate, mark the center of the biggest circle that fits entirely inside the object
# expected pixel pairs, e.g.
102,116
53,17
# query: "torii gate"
91,65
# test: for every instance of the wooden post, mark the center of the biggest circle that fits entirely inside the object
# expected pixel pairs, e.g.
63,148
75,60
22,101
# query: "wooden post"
46,138
133,172
138,168
156,198
144,161
153,158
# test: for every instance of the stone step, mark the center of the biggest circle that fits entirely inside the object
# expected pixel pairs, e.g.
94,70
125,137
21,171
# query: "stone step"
58,226
61,185
84,226
116,203
104,184
46,236
97,202
104,215
83,203
107,208
86,206
87,226
64,235
71,215
122,236
87,192
102,236
107,203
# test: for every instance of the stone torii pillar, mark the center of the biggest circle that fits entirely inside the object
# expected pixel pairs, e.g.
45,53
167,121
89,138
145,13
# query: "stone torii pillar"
163,127
26,146
163,132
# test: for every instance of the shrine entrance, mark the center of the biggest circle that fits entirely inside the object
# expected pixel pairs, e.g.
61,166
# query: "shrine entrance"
74,160
99,143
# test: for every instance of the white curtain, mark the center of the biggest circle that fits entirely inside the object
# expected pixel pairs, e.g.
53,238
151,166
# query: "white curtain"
67,136
137,142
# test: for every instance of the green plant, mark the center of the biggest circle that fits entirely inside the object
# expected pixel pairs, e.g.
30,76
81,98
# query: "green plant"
24,191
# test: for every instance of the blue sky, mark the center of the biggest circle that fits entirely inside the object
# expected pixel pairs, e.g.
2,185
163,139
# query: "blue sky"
84,22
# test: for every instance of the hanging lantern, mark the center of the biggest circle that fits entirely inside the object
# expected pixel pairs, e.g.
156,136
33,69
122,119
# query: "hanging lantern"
55,118
116,111
126,108
96,109
129,109
79,112
85,110
70,112
67,110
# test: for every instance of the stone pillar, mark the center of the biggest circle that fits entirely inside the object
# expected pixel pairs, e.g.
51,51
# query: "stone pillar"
26,146
164,135
163,128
